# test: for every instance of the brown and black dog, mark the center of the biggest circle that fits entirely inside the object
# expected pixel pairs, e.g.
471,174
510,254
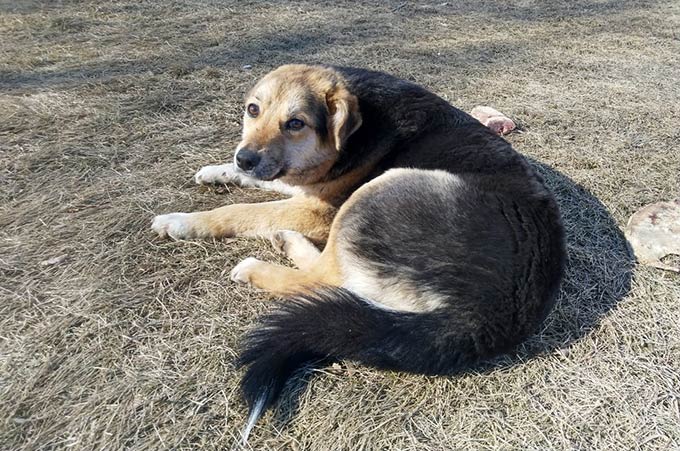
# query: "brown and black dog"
442,245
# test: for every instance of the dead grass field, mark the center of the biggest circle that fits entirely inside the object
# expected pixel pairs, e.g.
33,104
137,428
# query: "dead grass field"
108,108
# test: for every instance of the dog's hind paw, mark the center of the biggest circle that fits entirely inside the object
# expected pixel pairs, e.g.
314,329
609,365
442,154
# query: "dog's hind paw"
221,174
297,247
174,225
284,239
243,271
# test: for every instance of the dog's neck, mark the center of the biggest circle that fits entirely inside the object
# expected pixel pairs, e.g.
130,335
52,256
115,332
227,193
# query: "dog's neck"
336,190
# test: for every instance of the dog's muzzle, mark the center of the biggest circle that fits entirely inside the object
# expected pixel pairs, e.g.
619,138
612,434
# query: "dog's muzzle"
246,159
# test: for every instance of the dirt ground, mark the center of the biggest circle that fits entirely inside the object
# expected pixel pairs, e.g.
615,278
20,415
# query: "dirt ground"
127,342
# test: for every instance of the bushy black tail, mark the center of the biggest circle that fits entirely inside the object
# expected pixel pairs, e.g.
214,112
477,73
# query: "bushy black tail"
338,324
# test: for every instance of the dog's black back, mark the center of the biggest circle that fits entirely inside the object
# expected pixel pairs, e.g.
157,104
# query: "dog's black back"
489,262
405,125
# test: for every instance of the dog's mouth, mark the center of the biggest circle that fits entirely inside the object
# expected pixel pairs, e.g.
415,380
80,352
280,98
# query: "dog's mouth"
263,174
276,175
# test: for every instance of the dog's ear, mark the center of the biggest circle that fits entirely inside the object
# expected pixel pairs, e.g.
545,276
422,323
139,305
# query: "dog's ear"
344,115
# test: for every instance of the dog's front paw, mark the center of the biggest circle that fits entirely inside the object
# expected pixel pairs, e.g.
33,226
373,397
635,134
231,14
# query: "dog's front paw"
222,174
174,225
243,271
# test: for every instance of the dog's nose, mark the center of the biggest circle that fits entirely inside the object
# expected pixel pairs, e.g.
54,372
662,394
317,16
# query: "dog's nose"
247,159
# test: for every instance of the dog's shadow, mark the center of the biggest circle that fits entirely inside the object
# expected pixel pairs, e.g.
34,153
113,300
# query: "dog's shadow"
598,272
598,275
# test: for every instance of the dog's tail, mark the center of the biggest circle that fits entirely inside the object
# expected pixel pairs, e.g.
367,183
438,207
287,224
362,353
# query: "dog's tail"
338,324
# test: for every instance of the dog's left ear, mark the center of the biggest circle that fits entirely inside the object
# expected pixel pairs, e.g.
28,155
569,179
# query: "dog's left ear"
344,115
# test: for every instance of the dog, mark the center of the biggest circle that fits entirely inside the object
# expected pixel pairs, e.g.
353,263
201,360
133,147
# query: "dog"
441,245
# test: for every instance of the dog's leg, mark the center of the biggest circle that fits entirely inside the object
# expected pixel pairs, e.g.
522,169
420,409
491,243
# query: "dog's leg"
296,247
276,279
227,173
280,280
308,215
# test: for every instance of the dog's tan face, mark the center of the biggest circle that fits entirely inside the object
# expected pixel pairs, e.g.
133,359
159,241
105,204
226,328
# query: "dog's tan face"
296,120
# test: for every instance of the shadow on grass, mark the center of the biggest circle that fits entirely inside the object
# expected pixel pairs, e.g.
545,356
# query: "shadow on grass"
535,11
304,43
598,276
598,272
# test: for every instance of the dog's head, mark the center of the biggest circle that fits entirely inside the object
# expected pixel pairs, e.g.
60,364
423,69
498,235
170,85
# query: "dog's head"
296,121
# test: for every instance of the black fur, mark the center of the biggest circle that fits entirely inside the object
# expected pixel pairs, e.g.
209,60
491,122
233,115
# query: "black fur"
493,247
335,322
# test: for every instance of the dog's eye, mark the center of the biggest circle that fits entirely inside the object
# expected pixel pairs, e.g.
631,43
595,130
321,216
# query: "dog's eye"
253,110
295,124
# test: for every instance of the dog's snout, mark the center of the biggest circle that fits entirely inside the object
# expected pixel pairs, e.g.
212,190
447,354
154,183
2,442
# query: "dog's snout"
247,159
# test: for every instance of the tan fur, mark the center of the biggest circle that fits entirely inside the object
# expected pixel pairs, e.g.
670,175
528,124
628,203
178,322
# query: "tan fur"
305,214
280,280
282,95
326,269
295,246
275,279
322,269
308,215
336,192
345,117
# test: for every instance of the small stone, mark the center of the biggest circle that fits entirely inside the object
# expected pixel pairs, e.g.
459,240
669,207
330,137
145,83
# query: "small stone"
54,260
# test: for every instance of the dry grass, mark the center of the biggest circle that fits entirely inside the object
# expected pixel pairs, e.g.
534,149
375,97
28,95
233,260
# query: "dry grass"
107,109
